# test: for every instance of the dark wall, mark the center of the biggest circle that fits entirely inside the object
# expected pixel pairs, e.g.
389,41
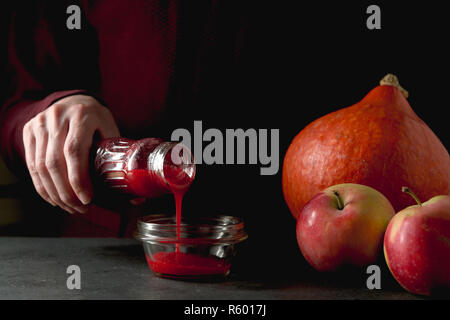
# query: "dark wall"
276,65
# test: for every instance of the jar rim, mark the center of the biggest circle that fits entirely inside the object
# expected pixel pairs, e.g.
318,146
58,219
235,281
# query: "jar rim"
194,230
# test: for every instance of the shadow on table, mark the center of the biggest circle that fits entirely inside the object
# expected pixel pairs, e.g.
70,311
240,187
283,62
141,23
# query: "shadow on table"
260,269
129,251
291,271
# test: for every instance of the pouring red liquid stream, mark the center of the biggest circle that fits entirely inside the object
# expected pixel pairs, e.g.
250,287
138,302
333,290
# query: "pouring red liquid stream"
180,263
142,182
174,175
127,165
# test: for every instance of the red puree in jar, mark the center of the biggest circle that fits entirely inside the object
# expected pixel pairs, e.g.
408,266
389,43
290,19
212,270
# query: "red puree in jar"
140,182
186,264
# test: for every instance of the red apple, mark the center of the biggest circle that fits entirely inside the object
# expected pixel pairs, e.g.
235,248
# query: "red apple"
343,225
417,245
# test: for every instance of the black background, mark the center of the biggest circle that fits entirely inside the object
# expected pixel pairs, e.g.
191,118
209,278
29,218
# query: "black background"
298,62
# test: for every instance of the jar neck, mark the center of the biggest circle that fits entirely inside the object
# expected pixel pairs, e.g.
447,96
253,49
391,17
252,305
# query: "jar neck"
165,160
156,160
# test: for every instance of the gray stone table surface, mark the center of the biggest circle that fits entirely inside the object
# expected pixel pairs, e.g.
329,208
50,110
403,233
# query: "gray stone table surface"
36,268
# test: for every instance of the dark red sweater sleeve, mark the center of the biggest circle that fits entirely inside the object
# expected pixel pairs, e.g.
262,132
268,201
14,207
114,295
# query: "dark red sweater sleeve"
14,117
38,73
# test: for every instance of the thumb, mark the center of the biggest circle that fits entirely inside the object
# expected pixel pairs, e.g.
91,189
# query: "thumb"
107,127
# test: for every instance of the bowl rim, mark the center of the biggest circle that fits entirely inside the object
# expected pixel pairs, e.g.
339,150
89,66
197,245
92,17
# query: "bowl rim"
161,228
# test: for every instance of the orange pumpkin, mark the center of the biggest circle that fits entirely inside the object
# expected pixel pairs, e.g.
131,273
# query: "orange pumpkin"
379,142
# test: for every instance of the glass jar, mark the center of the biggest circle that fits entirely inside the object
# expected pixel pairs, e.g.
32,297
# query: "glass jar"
147,168
197,248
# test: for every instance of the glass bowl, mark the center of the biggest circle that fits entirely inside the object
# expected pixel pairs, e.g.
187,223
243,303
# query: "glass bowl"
197,248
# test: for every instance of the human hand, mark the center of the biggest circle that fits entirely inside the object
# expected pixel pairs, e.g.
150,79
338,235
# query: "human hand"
57,143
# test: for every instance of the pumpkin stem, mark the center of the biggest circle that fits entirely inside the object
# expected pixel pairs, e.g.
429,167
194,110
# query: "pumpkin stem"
392,80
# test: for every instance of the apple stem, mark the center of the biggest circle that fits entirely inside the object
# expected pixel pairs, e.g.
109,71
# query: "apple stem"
412,194
339,201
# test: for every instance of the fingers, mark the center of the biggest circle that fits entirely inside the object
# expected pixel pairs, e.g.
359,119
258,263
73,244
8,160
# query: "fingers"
40,161
78,143
108,128
44,138
57,167
76,152
30,151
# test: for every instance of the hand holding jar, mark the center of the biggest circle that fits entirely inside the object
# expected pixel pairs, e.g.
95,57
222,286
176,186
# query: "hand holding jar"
57,142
